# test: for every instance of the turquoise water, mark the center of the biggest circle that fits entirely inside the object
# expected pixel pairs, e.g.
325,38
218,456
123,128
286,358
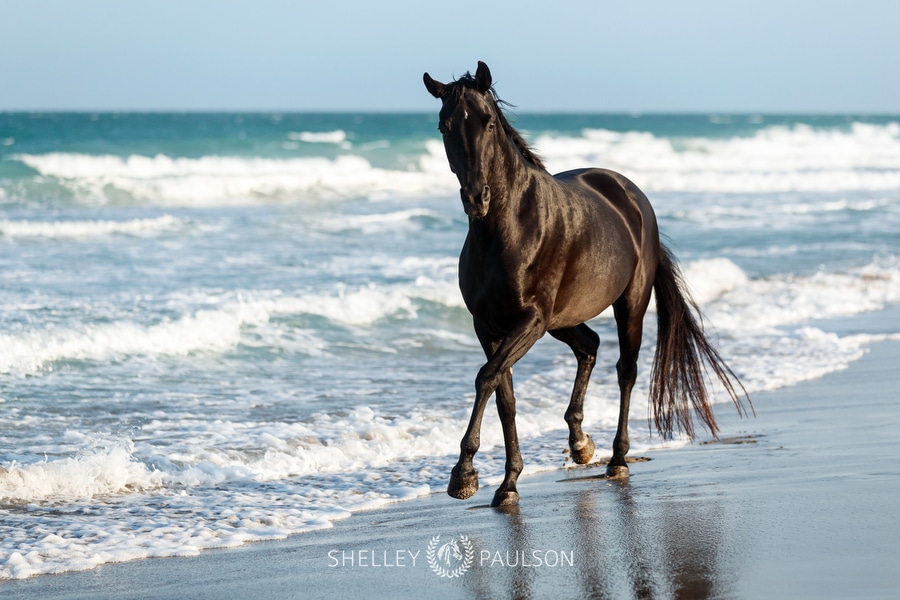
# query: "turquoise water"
229,327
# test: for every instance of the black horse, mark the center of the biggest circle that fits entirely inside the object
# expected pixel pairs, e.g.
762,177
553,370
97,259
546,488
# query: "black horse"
547,253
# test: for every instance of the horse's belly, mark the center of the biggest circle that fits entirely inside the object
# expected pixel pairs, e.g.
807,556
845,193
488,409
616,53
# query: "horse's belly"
585,293
583,309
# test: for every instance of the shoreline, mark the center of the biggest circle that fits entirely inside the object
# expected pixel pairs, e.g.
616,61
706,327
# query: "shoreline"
797,502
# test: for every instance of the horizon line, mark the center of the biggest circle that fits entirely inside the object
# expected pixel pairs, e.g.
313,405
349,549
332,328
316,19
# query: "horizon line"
369,111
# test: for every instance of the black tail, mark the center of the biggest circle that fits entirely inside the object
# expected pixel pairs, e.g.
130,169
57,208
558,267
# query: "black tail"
677,381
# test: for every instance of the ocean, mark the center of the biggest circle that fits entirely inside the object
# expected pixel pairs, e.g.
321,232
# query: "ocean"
224,328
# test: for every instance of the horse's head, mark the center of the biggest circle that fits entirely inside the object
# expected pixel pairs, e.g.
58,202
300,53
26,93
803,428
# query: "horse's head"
470,123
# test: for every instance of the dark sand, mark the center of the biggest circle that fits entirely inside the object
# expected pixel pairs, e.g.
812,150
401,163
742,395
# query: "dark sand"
801,502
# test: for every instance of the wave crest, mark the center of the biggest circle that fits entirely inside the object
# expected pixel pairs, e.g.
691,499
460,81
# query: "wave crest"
87,229
213,180
775,159
798,158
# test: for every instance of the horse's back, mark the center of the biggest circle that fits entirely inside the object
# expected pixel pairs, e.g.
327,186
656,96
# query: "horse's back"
616,190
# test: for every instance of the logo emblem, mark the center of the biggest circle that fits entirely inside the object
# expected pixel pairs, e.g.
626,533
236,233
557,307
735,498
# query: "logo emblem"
450,559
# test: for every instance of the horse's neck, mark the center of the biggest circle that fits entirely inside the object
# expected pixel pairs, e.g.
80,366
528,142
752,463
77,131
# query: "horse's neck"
510,179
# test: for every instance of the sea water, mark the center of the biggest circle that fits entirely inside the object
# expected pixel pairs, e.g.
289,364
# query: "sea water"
219,328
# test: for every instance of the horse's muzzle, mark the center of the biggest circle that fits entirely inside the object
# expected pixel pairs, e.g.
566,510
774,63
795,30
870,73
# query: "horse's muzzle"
476,205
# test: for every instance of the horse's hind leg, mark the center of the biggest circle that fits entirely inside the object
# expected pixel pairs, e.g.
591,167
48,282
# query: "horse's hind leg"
584,343
629,322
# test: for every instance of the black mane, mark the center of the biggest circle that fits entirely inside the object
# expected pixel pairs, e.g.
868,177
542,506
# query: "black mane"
467,81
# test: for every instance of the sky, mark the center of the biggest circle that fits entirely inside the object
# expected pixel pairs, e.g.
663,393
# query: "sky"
824,56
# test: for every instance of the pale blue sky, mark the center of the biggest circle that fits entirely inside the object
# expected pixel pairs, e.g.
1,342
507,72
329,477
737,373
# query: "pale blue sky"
578,55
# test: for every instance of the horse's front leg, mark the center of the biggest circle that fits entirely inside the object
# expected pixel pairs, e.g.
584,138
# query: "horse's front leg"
464,477
507,494
495,376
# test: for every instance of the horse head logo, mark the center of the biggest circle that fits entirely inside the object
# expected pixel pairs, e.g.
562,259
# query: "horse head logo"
450,559
449,553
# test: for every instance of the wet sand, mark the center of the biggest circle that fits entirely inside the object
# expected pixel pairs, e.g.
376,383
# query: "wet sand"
802,501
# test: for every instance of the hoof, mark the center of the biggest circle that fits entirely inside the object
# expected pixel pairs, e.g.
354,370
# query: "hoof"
583,451
462,487
616,472
503,499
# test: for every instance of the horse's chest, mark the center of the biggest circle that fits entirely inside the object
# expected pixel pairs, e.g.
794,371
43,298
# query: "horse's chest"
497,286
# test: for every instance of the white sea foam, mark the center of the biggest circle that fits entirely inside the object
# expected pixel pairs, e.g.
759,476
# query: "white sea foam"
217,475
180,484
783,300
734,305
319,137
709,279
112,470
771,211
378,222
765,325
214,180
87,229
204,331
185,484
216,330
798,158
211,488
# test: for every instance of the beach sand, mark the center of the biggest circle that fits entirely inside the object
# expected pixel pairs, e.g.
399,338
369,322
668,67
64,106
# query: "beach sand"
802,501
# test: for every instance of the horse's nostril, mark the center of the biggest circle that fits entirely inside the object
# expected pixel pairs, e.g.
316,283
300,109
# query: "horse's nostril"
475,205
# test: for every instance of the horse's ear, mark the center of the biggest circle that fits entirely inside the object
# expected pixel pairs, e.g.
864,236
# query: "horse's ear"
483,78
435,88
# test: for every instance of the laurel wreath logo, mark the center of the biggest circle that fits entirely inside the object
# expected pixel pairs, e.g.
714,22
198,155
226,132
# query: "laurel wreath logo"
443,557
